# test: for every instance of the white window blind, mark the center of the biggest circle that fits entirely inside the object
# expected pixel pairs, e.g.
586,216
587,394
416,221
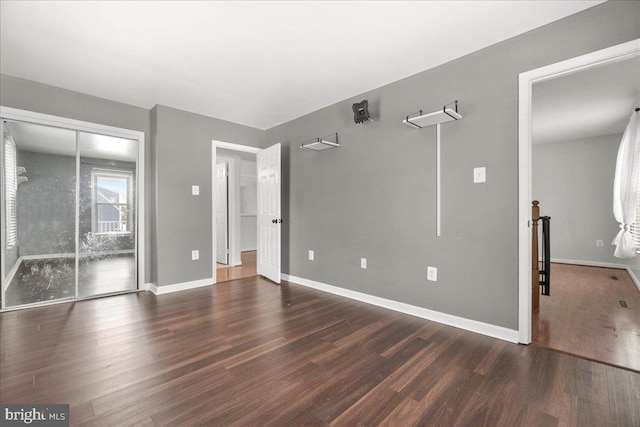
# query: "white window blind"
11,189
635,226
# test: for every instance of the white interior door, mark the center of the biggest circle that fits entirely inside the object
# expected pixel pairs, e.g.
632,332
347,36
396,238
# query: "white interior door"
222,220
269,221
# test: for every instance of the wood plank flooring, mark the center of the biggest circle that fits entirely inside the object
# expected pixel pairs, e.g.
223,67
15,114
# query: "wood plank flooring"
247,269
582,316
248,352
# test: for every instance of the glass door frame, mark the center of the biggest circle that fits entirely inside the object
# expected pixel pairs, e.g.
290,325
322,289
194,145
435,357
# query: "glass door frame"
14,114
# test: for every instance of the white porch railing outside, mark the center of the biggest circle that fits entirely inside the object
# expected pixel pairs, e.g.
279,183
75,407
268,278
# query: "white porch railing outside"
112,227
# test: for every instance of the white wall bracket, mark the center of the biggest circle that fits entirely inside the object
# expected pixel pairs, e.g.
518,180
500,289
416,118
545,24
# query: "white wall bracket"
419,121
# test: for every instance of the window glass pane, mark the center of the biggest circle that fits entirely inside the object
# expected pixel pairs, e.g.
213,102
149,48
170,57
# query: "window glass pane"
107,216
112,189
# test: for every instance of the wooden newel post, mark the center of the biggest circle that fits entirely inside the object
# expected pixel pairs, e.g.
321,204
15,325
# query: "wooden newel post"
535,269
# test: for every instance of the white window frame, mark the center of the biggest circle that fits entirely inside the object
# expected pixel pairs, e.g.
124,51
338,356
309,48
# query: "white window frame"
11,190
113,173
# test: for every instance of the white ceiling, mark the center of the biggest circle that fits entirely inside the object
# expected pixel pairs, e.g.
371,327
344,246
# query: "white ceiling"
590,103
256,63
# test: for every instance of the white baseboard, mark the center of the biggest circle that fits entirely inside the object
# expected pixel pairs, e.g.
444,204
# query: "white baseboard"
633,277
47,256
589,263
12,272
159,290
494,331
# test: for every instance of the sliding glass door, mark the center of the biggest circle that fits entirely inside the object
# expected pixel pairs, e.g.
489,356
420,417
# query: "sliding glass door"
69,214
39,211
106,226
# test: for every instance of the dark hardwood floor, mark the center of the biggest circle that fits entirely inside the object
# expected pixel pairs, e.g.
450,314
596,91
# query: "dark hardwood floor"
582,315
248,352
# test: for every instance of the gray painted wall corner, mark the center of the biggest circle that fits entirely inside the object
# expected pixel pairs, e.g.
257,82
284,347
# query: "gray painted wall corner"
182,145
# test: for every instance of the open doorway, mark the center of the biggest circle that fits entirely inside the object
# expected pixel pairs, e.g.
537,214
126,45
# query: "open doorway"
268,208
236,197
577,117
235,214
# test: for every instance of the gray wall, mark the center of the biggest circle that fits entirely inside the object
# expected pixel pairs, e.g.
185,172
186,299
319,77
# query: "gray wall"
374,196
41,98
182,158
573,180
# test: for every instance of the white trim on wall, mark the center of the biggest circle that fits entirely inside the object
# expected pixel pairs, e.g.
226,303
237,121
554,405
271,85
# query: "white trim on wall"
633,277
493,331
589,263
176,287
526,81
12,272
8,113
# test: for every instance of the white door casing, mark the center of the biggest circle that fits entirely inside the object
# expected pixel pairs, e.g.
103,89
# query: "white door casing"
269,220
525,94
222,252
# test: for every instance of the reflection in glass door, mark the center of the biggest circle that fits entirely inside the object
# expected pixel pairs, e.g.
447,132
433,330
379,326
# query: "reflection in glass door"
107,214
39,213
68,214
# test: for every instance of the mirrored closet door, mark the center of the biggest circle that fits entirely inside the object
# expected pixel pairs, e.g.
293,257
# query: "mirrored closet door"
69,214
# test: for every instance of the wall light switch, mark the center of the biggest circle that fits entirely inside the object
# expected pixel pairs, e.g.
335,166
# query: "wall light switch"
195,255
600,243
432,274
195,190
363,263
311,255
479,175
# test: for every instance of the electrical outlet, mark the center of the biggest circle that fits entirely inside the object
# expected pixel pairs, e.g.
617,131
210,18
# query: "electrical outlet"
599,243
195,255
311,255
479,175
432,274
363,263
195,190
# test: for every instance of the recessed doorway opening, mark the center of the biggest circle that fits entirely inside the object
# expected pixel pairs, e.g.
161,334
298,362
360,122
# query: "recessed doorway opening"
236,214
